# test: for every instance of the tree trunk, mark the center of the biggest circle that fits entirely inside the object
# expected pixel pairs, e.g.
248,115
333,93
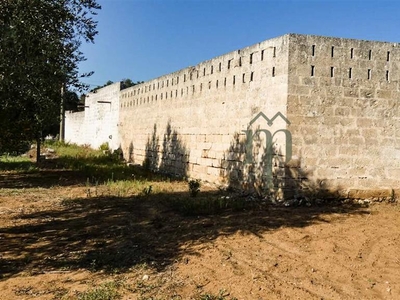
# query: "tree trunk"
61,137
38,143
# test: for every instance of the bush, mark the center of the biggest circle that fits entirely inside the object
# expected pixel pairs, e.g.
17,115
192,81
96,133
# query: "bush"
194,187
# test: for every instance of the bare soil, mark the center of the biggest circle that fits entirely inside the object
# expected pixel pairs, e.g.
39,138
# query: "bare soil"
56,242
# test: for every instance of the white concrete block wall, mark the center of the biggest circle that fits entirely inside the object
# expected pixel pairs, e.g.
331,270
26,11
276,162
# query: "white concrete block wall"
100,119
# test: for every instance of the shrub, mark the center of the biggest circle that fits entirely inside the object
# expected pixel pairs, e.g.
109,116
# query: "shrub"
194,187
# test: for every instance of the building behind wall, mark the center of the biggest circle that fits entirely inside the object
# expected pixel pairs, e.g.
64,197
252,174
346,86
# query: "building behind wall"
289,116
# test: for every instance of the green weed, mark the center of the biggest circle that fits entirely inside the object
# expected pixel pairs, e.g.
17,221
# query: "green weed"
194,187
106,291
222,295
17,163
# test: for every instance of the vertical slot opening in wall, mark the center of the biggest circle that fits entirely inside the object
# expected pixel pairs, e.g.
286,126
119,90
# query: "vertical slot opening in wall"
201,87
351,53
369,54
274,52
184,77
251,76
190,76
204,71
219,67
350,73
177,80
171,94
167,82
240,61
166,95
387,75
209,85
243,78
251,58
193,89
172,81
313,50
369,73
197,74
332,71
212,69
312,70
229,64
187,90
332,51
181,91
388,56
262,54
156,98
216,84
273,71
225,81
234,79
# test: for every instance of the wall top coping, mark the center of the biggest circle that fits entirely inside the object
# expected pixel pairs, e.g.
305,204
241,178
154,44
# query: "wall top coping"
287,38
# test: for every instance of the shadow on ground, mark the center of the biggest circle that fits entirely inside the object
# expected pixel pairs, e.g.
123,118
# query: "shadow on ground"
68,171
115,234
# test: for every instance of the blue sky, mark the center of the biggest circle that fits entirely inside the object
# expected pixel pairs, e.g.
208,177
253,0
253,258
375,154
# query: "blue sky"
144,39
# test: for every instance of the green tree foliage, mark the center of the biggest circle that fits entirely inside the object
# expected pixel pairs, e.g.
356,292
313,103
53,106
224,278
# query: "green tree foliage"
39,53
125,83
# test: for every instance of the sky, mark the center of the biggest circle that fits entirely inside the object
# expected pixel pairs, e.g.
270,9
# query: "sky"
145,39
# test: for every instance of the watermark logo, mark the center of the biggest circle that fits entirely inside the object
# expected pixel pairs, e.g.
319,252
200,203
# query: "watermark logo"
270,138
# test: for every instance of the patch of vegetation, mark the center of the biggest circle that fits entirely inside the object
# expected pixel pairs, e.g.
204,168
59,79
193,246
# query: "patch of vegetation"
97,165
106,291
222,295
17,163
194,187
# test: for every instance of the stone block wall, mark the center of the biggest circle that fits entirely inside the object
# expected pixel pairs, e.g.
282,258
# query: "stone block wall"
294,116
343,101
193,122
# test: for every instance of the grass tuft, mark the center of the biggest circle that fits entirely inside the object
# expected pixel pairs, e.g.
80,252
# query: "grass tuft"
106,291
17,163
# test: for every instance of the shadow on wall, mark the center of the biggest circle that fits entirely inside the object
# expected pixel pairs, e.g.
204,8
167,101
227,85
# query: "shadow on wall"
172,159
259,165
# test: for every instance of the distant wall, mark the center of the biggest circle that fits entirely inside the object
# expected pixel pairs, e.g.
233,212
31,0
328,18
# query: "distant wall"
75,127
98,124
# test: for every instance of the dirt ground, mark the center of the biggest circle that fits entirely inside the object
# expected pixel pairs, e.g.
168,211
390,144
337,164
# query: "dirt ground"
56,242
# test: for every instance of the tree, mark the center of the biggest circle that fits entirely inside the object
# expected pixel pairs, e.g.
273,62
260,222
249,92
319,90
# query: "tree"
125,83
39,54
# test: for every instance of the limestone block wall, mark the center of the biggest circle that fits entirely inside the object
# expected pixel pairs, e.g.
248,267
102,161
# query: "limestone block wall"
343,103
292,116
195,121
98,124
